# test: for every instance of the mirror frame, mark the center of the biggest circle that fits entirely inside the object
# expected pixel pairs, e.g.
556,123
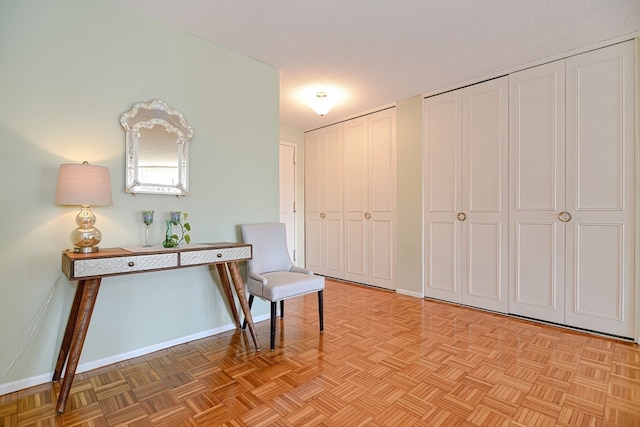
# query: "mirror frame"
147,115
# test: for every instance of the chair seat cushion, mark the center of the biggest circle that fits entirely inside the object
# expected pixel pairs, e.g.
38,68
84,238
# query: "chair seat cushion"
285,284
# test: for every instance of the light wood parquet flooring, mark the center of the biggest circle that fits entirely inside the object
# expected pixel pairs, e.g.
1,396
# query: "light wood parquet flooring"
383,360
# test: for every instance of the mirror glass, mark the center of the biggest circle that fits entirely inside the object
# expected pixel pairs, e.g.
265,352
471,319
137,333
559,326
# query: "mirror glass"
157,149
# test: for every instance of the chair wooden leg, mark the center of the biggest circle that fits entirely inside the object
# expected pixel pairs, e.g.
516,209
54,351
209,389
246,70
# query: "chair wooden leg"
274,306
282,309
321,310
244,323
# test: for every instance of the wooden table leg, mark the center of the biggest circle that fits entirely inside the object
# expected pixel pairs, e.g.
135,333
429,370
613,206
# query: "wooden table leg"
226,286
89,293
239,285
68,334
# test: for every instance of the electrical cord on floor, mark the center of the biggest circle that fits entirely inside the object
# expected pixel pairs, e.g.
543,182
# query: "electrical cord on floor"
36,321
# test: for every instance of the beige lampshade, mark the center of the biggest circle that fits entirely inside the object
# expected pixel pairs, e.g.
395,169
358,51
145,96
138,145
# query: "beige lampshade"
83,184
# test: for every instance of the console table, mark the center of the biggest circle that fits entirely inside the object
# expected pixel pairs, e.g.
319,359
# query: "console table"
89,269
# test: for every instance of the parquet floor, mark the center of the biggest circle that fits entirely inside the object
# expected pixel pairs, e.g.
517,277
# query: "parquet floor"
383,360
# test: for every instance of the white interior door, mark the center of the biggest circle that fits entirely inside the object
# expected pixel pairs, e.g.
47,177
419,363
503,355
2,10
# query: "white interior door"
485,195
380,214
356,199
288,195
600,190
537,191
332,214
313,173
443,196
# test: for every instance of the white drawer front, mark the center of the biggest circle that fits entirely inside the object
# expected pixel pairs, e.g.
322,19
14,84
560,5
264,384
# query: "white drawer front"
102,267
215,255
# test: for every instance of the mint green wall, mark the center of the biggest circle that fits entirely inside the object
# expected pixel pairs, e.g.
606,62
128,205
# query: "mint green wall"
68,70
409,254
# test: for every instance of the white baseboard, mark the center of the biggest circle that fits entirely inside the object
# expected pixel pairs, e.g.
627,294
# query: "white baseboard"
409,293
83,367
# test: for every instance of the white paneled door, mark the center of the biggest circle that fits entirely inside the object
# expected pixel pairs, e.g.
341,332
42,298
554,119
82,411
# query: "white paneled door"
369,180
466,211
572,191
313,201
600,190
485,195
323,201
443,196
356,199
537,192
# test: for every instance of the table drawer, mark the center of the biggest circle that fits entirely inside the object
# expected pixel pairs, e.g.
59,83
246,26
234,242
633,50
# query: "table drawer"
127,264
212,256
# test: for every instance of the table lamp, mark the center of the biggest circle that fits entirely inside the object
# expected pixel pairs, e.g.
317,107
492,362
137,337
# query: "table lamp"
84,185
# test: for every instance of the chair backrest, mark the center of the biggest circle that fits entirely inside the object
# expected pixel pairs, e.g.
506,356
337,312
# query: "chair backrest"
269,247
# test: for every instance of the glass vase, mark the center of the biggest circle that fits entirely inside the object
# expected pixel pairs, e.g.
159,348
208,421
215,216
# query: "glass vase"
168,239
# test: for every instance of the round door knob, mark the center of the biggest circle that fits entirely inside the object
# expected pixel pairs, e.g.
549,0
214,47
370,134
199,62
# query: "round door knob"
131,264
564,216
461,216
219,255
367,215
322,215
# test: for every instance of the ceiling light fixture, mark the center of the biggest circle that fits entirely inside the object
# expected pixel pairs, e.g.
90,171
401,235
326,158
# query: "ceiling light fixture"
322,103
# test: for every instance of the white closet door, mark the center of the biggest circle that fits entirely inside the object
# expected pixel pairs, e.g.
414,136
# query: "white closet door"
600,190
485,195
323,201
443,196
380,214
537,192
356,199
332,220
313,177
369,179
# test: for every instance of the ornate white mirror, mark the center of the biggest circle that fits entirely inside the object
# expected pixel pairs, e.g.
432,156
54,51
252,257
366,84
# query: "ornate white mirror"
157,149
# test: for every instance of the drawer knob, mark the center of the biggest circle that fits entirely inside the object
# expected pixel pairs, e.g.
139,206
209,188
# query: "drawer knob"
131,264
219,255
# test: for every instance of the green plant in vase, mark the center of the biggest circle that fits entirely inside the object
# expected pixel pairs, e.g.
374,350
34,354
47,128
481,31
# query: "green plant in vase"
173,240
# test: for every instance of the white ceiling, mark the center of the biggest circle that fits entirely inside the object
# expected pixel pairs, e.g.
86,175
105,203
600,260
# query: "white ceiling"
378,52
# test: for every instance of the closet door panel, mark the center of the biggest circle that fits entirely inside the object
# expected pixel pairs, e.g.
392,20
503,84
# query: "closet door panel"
485,148
381,266
313,200
323,201
313,245
483,260
443,271
443,196
333,254
356,199
485,195
355,256
333,231
443,130
382,201
333,158
539,288
600,190
382,161
597,270
537,192
598,140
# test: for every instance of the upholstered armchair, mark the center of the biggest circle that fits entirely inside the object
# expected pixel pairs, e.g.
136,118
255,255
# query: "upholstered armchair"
271,274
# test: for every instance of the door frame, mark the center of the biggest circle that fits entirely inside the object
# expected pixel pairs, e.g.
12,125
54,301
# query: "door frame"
294,229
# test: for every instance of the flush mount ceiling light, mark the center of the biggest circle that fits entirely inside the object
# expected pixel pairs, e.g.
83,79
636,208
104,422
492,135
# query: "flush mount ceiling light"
322,103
